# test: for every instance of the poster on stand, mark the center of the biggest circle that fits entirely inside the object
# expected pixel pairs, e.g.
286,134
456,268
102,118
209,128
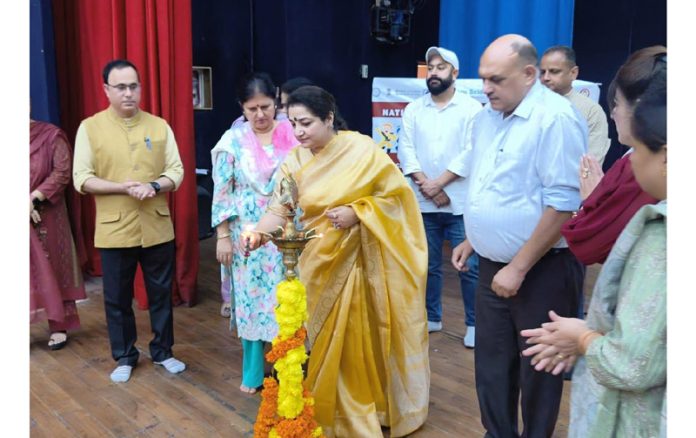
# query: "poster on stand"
391,95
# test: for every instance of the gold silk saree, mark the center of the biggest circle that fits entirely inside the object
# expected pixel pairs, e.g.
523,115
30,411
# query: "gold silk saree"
368,365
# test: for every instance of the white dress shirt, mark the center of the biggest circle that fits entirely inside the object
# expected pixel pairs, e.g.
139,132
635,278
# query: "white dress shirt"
521,165
433,140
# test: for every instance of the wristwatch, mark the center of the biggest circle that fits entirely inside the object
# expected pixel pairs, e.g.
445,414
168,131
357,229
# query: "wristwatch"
155,185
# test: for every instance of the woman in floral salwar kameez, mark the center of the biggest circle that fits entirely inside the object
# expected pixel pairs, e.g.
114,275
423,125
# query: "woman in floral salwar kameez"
245,163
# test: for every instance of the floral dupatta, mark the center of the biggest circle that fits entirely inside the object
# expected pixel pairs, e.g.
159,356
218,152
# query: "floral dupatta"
255,162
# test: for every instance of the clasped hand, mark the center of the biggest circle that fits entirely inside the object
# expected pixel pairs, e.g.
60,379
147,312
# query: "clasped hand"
429,187
432,190
555,344
138,190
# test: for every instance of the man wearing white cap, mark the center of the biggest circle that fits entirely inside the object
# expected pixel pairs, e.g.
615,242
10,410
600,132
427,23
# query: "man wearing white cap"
434,137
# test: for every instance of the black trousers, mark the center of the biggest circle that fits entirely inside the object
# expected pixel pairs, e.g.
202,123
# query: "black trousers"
119,266
502,373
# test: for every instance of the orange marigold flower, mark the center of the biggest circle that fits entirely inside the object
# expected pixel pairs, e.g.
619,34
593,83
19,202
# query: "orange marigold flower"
281,348
266,417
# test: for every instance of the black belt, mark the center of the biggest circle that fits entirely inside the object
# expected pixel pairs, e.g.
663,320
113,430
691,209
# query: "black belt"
556,251
550,253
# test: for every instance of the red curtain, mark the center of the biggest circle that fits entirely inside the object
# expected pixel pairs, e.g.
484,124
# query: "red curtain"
155,35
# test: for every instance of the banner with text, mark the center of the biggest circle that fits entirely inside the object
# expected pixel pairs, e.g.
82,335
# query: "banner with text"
391,95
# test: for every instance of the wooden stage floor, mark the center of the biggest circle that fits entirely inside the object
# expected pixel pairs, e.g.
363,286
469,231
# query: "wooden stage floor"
71,394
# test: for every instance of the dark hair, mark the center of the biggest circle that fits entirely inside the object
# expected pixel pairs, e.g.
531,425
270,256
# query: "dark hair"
526,51
634,76
294,83
568,52
117,64
253,84
649,122
319,102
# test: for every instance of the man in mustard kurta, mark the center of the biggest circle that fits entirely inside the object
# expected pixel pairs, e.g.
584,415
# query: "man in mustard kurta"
128,158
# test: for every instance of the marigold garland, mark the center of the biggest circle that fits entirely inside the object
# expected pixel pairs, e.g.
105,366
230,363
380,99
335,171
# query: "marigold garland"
266,417
281,348
291,312
287,408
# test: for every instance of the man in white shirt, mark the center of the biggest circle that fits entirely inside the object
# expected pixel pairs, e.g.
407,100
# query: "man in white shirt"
522,186
432,152
558,71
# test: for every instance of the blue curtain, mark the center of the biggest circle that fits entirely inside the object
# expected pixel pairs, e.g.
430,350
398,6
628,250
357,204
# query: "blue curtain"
468,26
42,63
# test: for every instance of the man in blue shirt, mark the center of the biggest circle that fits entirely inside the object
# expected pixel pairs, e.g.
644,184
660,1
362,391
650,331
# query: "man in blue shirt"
521,186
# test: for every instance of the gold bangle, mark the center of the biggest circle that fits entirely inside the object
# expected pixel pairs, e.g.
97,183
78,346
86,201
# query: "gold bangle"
586,339
222,236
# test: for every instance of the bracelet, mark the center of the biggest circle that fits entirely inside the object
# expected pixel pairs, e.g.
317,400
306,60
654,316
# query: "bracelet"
222,236
586,339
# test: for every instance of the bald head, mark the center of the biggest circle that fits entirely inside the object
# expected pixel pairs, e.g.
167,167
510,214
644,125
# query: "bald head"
508,71
512,46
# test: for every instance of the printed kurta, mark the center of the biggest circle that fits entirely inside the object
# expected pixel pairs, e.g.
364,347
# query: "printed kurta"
619,386
244,176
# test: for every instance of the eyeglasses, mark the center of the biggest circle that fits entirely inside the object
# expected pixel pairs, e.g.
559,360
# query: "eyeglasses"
121,88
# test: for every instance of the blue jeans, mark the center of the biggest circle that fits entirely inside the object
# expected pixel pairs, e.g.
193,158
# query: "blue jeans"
438,228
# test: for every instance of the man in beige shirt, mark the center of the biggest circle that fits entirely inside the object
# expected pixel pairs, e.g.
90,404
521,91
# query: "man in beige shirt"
558,71
128,159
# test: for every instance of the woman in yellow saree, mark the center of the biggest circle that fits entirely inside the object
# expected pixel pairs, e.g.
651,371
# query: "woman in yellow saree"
365,277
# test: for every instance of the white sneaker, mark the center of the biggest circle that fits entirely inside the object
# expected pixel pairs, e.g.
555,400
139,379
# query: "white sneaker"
434,326
470,338
121,373
172,365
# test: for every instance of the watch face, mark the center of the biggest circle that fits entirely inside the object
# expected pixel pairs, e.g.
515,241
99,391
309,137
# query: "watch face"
156,186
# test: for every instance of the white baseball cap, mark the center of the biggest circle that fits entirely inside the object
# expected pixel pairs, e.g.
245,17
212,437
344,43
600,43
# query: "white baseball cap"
447,55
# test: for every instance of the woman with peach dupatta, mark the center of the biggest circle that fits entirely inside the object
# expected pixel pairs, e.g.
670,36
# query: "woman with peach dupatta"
365,277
